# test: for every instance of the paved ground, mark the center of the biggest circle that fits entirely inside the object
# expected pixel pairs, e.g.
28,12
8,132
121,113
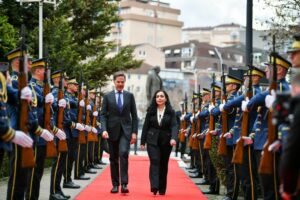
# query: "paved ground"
44,194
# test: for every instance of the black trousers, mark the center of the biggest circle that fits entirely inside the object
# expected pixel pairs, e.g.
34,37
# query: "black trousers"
58,167
118,157
271,182
89,155
159,161
232,174
1,157
97,150
80,159
35,174
214,184
17,182
257,157
70,158
248,168
206,163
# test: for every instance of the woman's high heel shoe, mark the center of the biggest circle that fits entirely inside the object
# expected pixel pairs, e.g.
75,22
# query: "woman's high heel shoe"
154,190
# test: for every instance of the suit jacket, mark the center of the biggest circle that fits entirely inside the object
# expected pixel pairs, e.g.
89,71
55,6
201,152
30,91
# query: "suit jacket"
113,121
165,132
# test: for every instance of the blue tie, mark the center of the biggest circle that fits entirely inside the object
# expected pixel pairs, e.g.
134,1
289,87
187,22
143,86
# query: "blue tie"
120,106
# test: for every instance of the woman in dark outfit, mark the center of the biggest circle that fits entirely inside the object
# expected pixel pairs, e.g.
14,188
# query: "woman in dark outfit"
159,133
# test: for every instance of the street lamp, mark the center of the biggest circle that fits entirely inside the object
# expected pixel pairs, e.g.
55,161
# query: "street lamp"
41,2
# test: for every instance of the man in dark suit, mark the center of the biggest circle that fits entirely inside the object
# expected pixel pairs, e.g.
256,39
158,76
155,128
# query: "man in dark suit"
119,123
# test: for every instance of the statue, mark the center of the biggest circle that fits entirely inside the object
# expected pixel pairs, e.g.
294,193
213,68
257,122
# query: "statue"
153,83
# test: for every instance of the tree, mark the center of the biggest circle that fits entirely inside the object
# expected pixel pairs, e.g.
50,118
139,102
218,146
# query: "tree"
74,35
285,23
8,34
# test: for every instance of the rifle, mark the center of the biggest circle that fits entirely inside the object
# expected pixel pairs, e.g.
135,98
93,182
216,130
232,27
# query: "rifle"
197,124
198,127
207,142
94,120
50,146
222,149
62,144
237,157
193,128
183,122
267,159
27,159
81,136
88,116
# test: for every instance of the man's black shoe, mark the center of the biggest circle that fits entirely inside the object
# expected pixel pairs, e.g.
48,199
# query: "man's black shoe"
96,167
65,196
190,167
196,175
124,189
210,192
82,177
193,170
101,163
71,184
89,171
57,197
205,182
115,189
227,198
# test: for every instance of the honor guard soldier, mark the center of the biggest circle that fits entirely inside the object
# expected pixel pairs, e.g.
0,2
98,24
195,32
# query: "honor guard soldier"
204,121
232,86
63,121
17,186
213,162
7,134
70,94
294,52
36,83
269,182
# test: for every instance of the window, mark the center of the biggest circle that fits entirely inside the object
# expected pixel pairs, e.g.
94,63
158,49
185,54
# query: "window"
187,63
139,77
212,53
128,76
138,88
128,88
186,52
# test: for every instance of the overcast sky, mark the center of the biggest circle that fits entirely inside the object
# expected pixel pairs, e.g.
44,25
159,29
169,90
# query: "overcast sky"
213,12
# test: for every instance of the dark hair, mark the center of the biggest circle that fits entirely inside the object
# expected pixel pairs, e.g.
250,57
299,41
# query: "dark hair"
117,74
153,104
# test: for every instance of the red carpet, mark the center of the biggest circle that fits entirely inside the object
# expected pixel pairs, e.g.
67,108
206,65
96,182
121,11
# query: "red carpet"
179,185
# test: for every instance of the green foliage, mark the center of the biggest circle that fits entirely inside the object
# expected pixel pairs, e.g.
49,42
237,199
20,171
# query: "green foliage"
8,35
285,22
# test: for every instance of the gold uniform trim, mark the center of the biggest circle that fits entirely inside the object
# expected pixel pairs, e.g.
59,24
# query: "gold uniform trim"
38,131
14,55
231,80
9,135
38,64
281,62
3,90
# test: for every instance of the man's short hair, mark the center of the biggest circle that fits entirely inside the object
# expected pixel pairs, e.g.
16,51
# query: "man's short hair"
117,74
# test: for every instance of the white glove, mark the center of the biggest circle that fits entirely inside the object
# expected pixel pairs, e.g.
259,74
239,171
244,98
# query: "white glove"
81,103
95,113
213,132
201,136
197,114
94,130
46,135
61,135
210,107
192,119
105,135
275,146
89,107
87,128
173,142
62,103
247,140
79,127
269,100
244,105
221,107
22,139
227,135
26,93
49,98
182,117
194,135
